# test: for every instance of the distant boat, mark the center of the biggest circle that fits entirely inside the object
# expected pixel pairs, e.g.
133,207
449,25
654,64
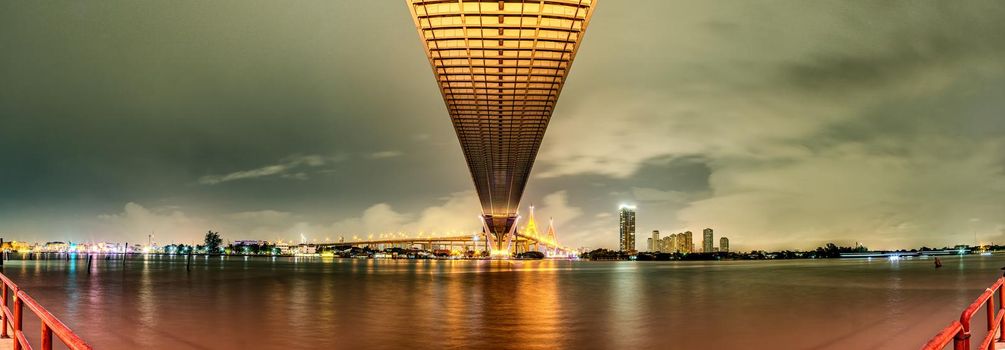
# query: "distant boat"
938,263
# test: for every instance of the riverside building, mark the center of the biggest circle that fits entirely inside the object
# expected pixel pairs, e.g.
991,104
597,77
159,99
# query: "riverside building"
626,228
706,241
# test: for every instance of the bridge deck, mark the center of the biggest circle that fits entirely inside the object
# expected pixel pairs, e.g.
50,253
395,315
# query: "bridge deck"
500,75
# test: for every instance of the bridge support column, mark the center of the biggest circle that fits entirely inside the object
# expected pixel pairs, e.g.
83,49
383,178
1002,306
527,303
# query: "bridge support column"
500,230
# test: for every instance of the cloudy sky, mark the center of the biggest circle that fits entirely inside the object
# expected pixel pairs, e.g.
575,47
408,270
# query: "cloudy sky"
781,124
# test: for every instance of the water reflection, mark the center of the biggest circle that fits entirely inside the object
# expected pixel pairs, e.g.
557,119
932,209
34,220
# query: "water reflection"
146,305
625,306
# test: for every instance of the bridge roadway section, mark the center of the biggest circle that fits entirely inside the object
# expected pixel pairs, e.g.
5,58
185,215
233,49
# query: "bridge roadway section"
476,242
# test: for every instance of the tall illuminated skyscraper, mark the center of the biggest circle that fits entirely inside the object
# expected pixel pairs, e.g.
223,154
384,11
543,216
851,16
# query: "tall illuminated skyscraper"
657,245
706,241
626,231
724,245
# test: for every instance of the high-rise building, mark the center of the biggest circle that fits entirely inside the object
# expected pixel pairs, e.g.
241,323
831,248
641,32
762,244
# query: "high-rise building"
649,244
724,245
670,243
657,247
626,232
688,244
706,241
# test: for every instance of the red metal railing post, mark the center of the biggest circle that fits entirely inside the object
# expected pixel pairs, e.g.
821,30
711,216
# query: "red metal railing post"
46,337
962,340
1001,305
990,305
3,305
17,322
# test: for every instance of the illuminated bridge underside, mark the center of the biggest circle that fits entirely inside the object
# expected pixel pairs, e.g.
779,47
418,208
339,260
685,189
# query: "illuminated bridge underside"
527,239
500,66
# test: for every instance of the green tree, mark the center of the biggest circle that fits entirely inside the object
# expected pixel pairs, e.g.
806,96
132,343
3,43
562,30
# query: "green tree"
213,242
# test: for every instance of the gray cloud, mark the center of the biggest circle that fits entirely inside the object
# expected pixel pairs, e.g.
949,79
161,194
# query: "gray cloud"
840,128
385,154
283,169
782,125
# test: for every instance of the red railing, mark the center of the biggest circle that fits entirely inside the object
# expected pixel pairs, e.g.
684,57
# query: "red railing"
958,332
50,324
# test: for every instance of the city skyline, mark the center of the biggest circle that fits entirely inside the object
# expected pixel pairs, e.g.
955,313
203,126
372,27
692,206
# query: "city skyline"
858,128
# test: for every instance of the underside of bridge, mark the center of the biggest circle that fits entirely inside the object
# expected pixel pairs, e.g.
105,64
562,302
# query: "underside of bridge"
500,66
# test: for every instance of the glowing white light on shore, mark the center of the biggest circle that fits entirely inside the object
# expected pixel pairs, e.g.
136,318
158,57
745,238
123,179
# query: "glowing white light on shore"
500,253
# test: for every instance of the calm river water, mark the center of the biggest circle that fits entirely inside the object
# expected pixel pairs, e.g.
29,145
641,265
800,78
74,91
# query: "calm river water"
266,303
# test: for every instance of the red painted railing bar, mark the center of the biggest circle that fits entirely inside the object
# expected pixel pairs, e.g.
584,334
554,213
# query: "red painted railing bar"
988,343
959,331
944,337
50,325
56,326
20,342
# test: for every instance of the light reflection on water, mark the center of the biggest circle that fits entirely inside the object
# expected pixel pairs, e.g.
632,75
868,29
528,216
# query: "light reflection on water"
273,303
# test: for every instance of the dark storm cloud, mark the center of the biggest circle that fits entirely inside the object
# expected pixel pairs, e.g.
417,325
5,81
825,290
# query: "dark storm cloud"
819,121
116,102
923,43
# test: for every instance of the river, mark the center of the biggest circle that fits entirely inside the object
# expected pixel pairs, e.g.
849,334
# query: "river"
153,302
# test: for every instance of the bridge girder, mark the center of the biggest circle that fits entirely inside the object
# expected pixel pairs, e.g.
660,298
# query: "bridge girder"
500,66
